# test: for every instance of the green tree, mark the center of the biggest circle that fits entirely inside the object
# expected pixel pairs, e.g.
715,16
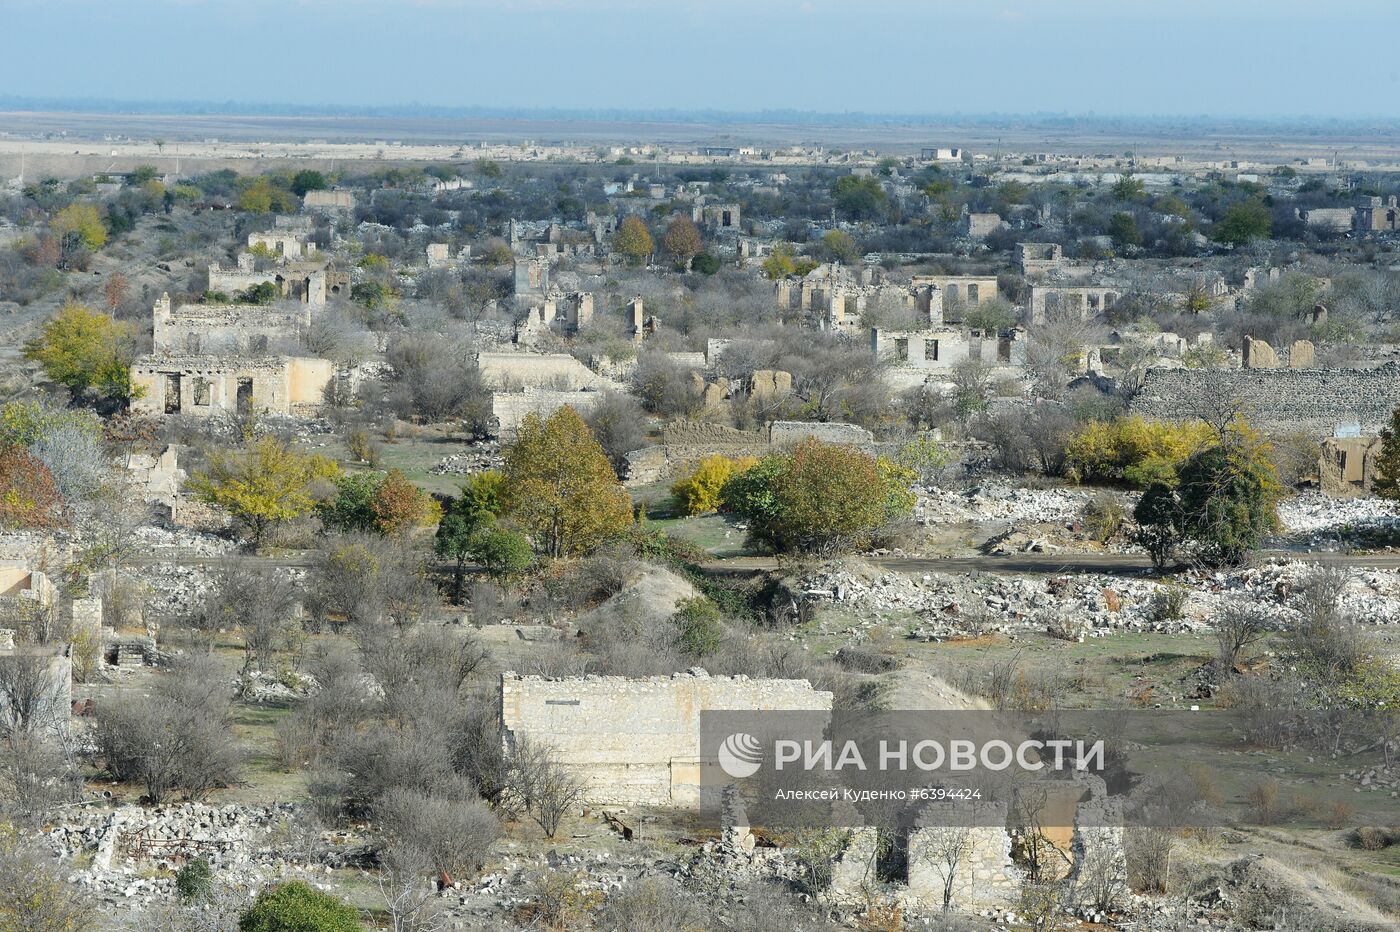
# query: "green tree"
705,263
682,241
1123,229
859,198
1158,516
466,517
297,907
633,240
79,224
350,509
779,263
1129,188
1242,223
699,630
195,881
1229,499
819,497
841,246
85,350
1223,499
560,487
308,180
1387,484
265,484
503,553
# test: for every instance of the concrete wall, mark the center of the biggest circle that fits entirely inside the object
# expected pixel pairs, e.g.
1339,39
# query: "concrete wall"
1314,401
637,741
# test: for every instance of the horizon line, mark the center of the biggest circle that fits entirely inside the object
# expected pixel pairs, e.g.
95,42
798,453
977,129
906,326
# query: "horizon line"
793,115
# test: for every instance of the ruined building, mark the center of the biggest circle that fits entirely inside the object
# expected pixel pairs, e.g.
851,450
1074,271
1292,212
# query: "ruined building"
203,385
226,328
637,741
561,313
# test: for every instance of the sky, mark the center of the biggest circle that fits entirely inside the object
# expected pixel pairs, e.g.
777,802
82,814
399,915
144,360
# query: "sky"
1228,58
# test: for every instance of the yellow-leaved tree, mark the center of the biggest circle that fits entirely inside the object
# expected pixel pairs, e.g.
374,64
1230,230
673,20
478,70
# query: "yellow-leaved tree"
264,484
560,488
85,350
79,224
699,492
633,240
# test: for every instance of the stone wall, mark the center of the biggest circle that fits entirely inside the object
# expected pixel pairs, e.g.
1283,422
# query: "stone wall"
227,328
208,385
786,433
637,741
975,857
508,409
558,371
1285,400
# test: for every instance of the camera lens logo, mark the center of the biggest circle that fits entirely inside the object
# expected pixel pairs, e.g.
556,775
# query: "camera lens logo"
740,755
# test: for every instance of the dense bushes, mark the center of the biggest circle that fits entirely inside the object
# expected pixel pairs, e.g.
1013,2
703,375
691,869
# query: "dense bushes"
819,497
1132,449
699,492
297,907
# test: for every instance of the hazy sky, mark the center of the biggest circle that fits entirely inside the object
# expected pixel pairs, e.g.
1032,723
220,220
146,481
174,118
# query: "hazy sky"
1218,57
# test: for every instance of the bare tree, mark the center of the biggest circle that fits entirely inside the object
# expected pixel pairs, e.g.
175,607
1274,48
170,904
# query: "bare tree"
410,899
37,772
946,849
180,737
546,787
259,601
1238,628
32,692
450,836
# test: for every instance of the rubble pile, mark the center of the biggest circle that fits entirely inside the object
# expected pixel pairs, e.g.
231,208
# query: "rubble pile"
940,606
1000,501
1314,516
972,604
479,456
134,851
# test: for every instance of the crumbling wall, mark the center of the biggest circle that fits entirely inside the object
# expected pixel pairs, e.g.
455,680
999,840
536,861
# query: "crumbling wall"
637,741
1313,401
202,386
975,857
508,409
558,371
786,433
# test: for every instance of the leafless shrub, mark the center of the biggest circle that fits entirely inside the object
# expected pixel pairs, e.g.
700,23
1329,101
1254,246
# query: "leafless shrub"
32,692
653,904
1238,628
257,600
547,789
180,737
452,835
33,894
1167,603
37,773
